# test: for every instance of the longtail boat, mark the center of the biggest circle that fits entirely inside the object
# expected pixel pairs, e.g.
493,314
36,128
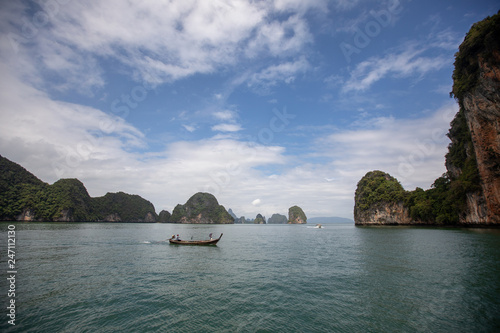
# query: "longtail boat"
195,242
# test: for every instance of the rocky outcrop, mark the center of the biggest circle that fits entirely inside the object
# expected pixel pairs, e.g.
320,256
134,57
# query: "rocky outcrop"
23,197
27,215
201,208
259,219
477,89
123,207
164,216
277,219
379,200
296,215
482,111
469,193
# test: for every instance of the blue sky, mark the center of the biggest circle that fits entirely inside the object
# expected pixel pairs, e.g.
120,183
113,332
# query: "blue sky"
265,104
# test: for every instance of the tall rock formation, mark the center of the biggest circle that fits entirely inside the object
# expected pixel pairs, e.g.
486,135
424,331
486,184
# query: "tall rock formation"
469,193
259,219
201,208
379,199
476,86
296,215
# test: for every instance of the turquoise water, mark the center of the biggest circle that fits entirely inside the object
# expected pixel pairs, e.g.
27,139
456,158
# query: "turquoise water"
91,277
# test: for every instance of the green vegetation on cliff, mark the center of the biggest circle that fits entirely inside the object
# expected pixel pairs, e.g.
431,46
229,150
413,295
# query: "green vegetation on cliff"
129,207
377,187
201,208
65,200
277,219
296,215
446,202
481,42
259,219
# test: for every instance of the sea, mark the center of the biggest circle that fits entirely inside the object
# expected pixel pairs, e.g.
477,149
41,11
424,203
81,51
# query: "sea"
126,277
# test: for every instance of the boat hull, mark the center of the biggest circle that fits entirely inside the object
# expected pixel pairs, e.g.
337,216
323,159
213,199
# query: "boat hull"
195,242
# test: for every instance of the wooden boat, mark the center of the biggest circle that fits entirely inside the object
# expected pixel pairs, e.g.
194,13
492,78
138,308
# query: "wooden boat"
195,242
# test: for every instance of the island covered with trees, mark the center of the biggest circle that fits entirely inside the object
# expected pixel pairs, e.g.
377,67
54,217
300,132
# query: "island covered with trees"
24,197
469,192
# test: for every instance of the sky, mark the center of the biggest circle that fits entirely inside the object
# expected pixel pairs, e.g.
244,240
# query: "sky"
265,104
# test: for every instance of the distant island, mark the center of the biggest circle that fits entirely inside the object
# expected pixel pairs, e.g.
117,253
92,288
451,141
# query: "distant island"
24,197
295,216
201,208
468,194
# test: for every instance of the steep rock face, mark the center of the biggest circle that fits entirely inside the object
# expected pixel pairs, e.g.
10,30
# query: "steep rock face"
201,208
27,215
477,88
296,215
482,110
384,213
469,193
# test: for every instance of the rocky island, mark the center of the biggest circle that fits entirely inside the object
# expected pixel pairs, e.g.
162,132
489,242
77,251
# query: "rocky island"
24,197
277,219
468,194
201,208
296,215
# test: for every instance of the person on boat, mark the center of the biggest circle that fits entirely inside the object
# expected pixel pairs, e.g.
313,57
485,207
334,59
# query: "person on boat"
178,238
210,236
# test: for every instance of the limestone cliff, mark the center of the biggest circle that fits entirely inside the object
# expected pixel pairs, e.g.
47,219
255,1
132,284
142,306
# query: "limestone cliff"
469,192
477,88
379,200
296,215
259,219
201,208
23,197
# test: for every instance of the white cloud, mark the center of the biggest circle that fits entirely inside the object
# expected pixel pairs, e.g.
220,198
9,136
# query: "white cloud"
159,42
401,64
256,202
412,150
227,128
226,115
284,72
189,128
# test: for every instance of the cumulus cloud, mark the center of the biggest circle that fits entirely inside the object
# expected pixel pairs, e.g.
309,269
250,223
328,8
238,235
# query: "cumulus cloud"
412,150
159,42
